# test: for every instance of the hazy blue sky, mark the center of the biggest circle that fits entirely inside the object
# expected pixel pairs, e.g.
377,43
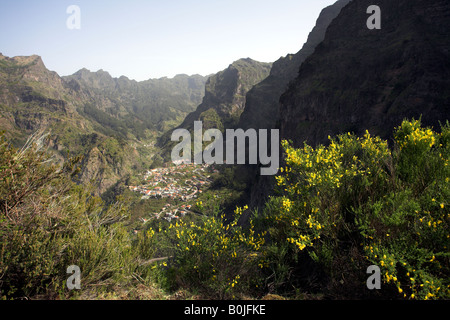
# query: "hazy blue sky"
144,39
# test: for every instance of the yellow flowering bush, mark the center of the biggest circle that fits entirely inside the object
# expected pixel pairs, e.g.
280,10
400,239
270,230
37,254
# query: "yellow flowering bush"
216,258
406,231
357,199
199,206
313,179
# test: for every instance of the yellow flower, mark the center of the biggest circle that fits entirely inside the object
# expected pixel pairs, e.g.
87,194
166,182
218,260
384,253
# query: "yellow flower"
287,204
442,206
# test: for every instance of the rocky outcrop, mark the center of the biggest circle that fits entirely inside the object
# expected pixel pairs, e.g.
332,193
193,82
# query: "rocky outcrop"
30,72
224,99
225,93
101,170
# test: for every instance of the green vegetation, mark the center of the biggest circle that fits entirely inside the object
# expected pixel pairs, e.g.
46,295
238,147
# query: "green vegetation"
357,203
128,107
224,99
339,209
213,259
48,223
210,119
108,124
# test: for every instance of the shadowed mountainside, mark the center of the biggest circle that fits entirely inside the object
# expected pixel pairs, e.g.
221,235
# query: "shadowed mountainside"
360,79
262,101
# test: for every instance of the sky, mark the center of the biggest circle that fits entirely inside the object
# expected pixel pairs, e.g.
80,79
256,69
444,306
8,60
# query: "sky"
143,39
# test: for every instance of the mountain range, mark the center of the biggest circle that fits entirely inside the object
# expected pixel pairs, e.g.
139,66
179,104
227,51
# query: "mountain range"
111,122
366,210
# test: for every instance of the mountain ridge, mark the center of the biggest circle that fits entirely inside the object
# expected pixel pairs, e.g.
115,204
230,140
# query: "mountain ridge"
225,91
111,128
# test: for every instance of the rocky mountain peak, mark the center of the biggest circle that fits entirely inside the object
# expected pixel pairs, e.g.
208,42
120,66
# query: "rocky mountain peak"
225,92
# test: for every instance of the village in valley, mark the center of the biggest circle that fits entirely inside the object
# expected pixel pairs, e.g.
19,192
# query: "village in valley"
179,185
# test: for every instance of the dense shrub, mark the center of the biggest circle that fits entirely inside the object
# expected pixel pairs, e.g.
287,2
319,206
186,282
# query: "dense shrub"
48,223
211,257
358,199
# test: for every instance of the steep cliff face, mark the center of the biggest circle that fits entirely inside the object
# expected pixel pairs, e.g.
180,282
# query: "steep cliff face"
360,79
261,106
31,96
30,70
225,93
262,101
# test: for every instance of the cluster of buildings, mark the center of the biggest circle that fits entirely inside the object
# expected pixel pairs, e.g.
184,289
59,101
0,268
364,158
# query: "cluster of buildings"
182,182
